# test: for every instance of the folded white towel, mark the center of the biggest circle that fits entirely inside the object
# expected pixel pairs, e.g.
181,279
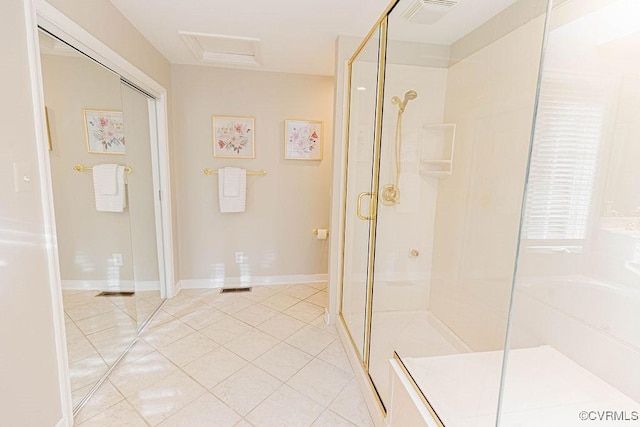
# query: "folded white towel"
110,202
104,179
231,181
235,203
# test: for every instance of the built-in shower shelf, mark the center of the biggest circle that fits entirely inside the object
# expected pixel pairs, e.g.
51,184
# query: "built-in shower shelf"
436,151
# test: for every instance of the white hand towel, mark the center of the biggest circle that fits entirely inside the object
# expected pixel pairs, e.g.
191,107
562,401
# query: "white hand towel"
104,179
111,202
232,203
231,182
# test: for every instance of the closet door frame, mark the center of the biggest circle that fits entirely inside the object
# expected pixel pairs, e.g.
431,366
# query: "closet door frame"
39,13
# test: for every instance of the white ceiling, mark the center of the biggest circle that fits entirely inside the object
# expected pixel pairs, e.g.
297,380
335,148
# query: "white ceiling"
297,36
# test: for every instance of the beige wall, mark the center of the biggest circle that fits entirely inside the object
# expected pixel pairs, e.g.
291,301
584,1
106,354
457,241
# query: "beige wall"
490,96
275,233
29,392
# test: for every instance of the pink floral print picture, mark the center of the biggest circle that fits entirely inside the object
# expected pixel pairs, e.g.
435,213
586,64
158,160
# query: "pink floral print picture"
233,137
303,139
104,131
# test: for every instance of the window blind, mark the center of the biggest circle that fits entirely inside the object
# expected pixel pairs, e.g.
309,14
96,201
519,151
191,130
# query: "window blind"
566,146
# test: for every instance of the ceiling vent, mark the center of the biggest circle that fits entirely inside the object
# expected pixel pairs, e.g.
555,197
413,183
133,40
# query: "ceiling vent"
221,49
428,11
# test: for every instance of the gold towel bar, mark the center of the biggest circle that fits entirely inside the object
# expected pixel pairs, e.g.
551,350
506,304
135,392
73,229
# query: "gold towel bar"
82,168
262,172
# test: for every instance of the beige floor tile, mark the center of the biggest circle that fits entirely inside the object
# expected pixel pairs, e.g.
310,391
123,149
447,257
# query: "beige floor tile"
141,373
252,344
181,306
206,410
140,349
304,311
245,389
281,326
350,405
285,407
320,299
320,381
202,317
79,348
107,320
166,397
105,397
87,371
260,293
91,308
255,314
188,349
319,286
226,329
331,419
310,340
280,301
243,423
319,323
283,361
167,333
230,303
335,355
300,291
214,367
121,415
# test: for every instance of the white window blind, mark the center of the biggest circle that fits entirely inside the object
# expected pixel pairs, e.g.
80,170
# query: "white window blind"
567,139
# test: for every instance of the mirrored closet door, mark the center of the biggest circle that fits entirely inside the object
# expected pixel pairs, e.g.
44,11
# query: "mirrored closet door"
101,141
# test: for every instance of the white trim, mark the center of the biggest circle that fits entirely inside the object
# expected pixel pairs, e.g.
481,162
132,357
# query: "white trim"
252,281
44,174
63,423
106,285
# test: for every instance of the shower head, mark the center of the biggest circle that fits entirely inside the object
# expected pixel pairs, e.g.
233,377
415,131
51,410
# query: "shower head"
402,104
412,94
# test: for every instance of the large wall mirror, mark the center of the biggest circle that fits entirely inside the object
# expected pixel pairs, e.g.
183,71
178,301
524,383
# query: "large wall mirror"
102,133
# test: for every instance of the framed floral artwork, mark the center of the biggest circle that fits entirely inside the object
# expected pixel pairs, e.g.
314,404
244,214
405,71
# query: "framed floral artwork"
104,131
233,137
303,139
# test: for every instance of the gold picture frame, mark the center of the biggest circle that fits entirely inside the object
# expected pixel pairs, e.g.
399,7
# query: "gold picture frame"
104,131
303,139
233,137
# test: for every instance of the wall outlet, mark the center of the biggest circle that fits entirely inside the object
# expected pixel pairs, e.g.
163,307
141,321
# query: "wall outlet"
239,257
118,261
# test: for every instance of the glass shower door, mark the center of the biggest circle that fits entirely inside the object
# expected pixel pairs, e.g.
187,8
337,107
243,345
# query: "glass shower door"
359,208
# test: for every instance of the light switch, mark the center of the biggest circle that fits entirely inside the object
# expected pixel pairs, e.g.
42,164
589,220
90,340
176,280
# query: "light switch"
22,177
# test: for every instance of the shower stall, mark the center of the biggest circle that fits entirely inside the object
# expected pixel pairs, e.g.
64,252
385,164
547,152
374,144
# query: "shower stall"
491,215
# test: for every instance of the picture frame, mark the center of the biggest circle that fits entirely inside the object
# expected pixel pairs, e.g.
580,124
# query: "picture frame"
46,117
104,131
303,139
233,137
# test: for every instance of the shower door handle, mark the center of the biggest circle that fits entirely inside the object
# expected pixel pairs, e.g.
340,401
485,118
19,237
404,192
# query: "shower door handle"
371,206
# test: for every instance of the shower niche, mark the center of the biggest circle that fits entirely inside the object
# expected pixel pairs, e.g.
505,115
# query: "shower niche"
437,148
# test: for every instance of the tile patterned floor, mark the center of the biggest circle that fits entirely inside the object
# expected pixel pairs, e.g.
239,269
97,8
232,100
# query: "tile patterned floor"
264,358
98,330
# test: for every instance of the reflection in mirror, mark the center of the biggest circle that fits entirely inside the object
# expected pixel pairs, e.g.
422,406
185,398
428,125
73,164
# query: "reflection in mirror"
105,217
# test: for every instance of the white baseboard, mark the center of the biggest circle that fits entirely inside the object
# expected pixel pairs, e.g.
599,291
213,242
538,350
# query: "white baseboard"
63,423
107,285
252,281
